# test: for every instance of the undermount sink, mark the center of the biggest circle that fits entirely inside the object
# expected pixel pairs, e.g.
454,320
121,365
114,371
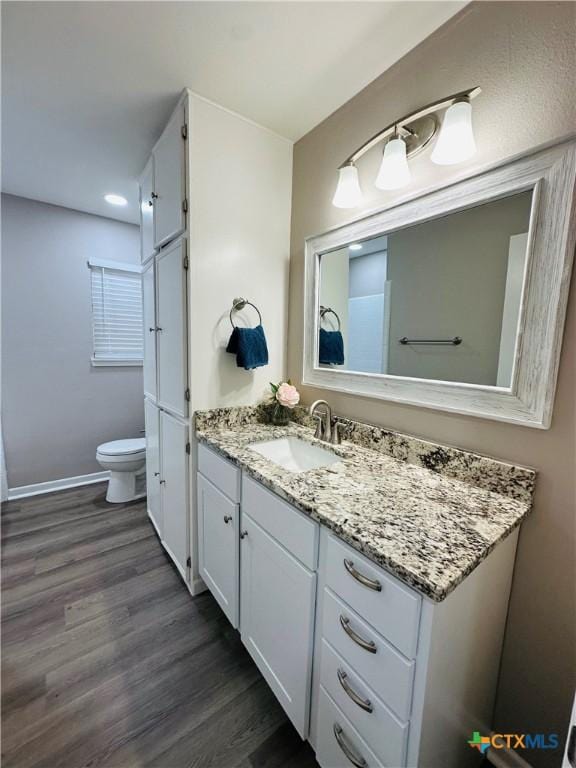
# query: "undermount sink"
294,454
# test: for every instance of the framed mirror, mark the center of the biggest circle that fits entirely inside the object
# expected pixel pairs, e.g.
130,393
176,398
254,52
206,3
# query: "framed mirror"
454,300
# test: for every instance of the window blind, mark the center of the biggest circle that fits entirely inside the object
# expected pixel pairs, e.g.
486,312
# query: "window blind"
116,315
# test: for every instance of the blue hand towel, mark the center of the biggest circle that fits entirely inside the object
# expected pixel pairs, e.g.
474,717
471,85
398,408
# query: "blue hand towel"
331,347
249,346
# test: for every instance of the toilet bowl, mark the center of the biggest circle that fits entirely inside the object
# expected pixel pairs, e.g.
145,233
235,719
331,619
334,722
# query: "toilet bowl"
126,462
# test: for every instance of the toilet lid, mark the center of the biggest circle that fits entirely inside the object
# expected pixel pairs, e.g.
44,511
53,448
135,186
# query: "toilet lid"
123,447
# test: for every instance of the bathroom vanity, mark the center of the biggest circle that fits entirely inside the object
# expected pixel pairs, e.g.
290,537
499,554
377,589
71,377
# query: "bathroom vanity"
370,588
370,580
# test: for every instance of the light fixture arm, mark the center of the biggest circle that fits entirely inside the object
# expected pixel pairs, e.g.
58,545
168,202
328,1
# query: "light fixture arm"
404,125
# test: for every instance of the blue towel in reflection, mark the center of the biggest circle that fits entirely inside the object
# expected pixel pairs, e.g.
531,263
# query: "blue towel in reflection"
331,347
249,346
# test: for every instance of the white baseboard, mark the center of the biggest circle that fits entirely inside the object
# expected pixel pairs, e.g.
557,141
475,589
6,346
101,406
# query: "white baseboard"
22,491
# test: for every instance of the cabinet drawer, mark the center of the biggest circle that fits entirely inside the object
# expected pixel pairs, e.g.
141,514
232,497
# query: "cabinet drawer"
383,732
221,472
389,673
339,744
391,608
288,526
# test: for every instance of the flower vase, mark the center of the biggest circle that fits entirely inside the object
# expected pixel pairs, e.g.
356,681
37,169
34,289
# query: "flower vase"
280,415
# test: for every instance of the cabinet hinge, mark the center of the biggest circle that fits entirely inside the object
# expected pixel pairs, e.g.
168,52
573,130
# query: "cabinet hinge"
189,562
187,447
186,263
184,131
187,394
185,205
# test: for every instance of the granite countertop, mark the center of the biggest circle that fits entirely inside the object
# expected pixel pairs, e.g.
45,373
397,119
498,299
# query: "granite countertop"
427,513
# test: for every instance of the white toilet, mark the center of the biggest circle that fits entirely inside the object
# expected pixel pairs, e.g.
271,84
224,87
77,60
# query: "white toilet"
126,460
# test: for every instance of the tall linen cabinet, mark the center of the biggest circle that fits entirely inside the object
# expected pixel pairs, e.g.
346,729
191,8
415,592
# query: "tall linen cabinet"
215,219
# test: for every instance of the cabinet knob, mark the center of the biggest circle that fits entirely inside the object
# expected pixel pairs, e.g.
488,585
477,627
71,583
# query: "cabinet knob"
243,534
154,196
156,474
151,330
227,519
150,203
162,482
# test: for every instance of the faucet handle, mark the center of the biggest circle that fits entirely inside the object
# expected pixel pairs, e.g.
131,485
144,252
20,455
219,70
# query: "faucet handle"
324,428
337,429
319,433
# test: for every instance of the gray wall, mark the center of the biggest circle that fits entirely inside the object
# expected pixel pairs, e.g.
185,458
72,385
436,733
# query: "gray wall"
448,279
522,55
56,408
368,274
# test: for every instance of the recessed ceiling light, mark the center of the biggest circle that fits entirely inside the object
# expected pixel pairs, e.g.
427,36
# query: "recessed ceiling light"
355,247
115,199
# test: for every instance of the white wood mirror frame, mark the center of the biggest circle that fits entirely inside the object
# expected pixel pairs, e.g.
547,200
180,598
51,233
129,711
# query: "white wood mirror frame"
551,173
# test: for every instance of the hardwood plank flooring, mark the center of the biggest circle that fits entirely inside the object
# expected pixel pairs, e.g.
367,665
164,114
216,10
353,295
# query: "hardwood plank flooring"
108,661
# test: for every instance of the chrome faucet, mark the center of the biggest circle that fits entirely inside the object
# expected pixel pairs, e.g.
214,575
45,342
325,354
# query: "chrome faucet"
326,429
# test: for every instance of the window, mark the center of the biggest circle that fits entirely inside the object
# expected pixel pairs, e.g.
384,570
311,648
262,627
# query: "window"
116,313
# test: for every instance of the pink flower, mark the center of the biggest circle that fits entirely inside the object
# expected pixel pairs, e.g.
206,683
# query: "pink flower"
287,395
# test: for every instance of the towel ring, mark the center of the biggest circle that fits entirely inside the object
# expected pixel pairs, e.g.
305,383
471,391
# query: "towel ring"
326,311
238,305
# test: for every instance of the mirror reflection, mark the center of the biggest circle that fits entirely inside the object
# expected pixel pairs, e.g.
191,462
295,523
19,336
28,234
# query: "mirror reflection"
438,300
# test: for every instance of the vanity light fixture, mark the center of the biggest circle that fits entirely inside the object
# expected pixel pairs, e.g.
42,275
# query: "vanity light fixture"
115,199
405,138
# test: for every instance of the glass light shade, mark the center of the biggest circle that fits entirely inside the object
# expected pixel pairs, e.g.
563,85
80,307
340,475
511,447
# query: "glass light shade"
348,193
394,171
456,140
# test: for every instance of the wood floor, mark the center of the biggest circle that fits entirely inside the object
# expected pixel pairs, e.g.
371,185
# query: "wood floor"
108,661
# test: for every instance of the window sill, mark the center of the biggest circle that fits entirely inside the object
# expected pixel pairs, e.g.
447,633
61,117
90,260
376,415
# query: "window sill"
116,362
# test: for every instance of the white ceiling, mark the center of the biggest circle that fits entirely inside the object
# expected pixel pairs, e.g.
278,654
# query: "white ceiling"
87,86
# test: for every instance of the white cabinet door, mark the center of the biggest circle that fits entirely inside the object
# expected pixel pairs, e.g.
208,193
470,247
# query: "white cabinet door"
174,492
218,546
149,301
171,337
169,181
277,618
152,422
147,212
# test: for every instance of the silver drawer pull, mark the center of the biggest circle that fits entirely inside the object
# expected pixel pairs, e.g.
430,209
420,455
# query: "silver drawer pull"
368,645
355,759
364,704
364,580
